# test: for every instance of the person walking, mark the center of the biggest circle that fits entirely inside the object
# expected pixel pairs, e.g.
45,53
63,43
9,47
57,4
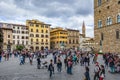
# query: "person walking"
38,62
88,60
96,71
55,59
102,73
59,65
112,65
21,59
87,75
69,66
51,68
65,62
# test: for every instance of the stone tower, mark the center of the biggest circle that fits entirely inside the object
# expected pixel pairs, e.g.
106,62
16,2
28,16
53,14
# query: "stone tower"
83,29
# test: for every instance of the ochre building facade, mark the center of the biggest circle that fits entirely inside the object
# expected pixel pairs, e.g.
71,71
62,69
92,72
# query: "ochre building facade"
58,38
39,35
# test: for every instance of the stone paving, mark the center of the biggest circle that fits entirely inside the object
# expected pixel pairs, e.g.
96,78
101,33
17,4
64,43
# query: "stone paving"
11,70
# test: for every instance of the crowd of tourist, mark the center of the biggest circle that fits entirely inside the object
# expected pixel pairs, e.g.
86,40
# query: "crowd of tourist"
112,61
71,58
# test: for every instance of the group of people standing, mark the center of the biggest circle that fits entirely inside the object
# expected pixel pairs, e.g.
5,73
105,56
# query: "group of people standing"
73,58
112,61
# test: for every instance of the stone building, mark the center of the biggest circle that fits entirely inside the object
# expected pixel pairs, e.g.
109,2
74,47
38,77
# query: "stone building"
7,36
73,38
107,25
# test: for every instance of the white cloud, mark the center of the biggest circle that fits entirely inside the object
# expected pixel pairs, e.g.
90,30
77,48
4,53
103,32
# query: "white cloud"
63,13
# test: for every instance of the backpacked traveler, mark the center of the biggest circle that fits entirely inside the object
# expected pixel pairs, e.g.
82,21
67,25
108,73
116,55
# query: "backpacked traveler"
31,58
51,68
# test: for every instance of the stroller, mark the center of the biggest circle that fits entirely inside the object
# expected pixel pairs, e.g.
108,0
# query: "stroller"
44,65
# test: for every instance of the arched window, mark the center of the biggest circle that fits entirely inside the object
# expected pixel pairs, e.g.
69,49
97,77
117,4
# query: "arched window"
46,40
37,35
31,30
69,41
109,21
73,41
99,2
32,48
42,48
42,35
37,30
37,47
46,31
46,47
46,36
31,40
99,23
119,2
42,31
31,35
36,40
118,19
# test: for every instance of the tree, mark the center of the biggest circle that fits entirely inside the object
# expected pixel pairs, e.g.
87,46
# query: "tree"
20,47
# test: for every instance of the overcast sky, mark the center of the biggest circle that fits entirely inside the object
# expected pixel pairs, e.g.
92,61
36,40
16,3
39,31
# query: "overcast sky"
62,13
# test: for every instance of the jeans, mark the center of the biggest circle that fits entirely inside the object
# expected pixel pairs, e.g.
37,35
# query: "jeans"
51,72
69,70
21,62
112,69
96,76
59,68
0,58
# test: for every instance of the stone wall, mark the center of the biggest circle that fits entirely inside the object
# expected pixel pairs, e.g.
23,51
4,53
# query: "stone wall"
110,9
